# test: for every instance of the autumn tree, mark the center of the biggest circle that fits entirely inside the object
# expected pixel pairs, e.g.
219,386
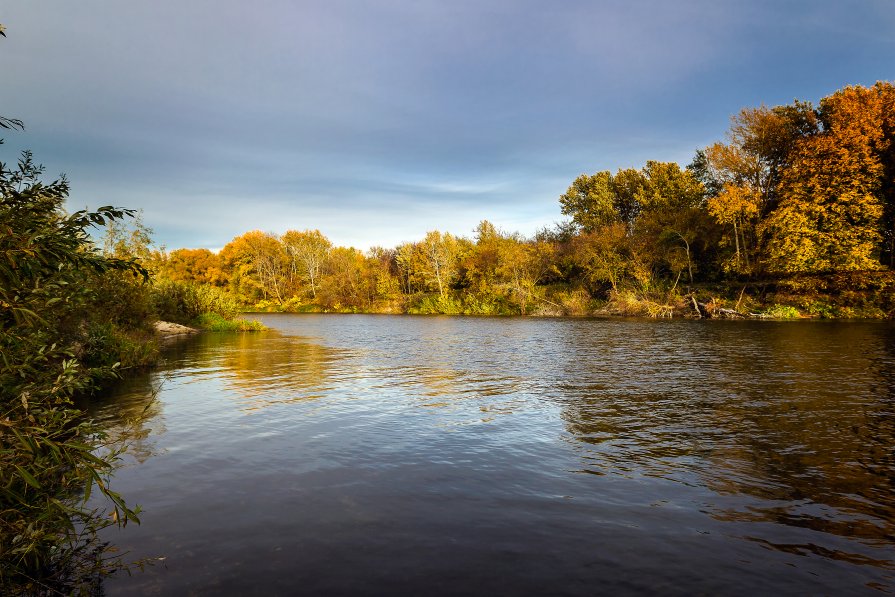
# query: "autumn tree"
441,253
742,175
349,281
481,262
193,265
832,198
604,258
307,251
601,199
521,265
383,266
258,266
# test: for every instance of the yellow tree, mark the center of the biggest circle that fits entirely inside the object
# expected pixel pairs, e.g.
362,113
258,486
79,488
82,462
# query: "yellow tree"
349,280
307,251
193,265
258,262
481,262
832,197
746,171
522,264
604,257
383,268
737,207
441,255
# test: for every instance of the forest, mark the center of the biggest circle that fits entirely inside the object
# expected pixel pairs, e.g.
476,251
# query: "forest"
793,213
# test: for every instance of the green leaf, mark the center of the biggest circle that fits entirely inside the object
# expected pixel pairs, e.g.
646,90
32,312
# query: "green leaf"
28,478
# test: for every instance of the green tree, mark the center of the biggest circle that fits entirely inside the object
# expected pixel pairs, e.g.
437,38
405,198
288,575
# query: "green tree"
590,201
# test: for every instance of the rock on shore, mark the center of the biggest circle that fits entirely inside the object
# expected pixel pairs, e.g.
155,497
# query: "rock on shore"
166,329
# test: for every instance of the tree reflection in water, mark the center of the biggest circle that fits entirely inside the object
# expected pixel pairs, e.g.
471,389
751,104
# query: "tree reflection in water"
759,421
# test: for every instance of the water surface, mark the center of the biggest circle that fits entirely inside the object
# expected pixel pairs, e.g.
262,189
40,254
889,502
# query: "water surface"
369,455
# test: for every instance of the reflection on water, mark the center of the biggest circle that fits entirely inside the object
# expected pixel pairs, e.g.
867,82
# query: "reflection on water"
514,456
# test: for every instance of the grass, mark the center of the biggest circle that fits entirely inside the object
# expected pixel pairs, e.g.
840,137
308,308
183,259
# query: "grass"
213,322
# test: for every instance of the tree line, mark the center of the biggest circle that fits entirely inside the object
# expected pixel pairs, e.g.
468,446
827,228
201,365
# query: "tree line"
791,190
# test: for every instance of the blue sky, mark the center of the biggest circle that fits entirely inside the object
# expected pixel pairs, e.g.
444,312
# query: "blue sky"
378,121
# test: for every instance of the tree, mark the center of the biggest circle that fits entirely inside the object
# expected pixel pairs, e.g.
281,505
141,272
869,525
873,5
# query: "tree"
308,251
604,257
258,262
349,281
832,198
736,206
590,201
441,253
742,176
193,265
522,265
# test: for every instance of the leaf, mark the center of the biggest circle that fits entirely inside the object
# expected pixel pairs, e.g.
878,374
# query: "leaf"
28,478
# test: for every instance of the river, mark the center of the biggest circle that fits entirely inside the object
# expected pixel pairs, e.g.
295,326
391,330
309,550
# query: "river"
371,455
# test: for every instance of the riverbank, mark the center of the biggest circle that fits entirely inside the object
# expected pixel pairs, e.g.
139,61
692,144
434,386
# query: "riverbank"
851,295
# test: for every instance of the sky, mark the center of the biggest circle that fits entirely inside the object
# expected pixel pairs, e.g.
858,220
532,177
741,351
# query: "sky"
377,121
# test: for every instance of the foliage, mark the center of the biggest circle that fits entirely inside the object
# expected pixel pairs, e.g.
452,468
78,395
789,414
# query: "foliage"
59,335
781,312
214,322
191,265
307,252
183,302
832,199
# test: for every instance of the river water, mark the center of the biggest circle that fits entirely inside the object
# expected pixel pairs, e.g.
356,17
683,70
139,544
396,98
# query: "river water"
388,455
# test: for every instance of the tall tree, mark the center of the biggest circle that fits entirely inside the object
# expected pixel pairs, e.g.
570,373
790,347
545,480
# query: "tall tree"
441,253
743,175
832,202
307,251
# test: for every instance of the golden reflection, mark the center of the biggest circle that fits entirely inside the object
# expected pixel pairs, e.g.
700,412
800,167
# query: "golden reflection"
268,369
822,445
798,421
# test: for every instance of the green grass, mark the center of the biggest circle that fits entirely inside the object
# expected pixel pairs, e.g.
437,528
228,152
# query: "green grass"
213,322
782,312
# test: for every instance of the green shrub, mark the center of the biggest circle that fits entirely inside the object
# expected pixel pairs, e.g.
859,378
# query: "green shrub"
437,305
183,302
781,312
54,294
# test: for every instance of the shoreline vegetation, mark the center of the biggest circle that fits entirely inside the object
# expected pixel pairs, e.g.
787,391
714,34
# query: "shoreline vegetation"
74,318
854,295
793,215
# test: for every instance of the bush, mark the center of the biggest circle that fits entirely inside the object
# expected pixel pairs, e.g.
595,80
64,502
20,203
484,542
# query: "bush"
183,302
781,312
437,304
53,297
